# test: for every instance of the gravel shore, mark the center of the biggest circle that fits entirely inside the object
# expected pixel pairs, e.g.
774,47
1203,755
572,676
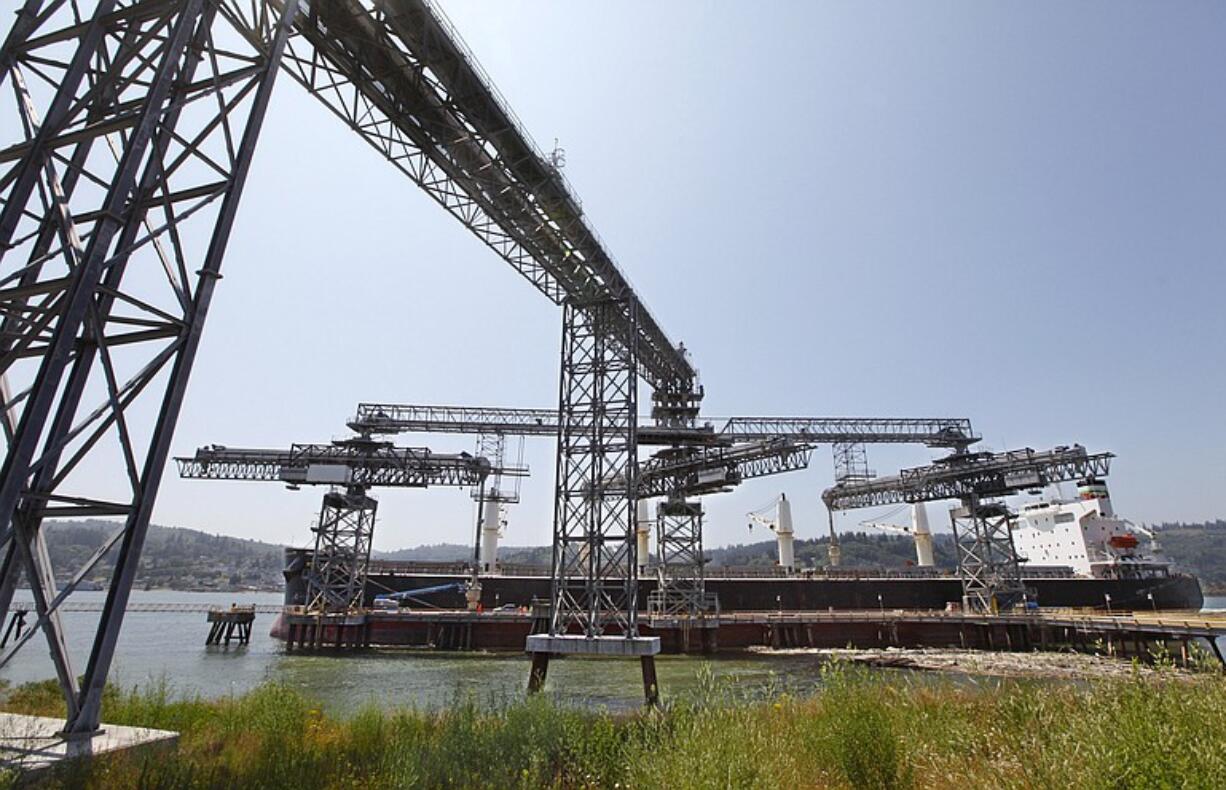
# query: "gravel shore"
977,662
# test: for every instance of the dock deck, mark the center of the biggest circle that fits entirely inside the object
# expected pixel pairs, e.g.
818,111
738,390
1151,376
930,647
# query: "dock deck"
1132,634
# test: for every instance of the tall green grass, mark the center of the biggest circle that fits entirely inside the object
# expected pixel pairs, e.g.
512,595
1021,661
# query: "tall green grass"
869,730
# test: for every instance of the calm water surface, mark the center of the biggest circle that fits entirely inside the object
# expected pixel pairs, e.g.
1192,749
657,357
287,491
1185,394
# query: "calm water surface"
169,648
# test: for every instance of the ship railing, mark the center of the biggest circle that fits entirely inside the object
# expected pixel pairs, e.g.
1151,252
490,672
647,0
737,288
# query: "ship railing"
396,567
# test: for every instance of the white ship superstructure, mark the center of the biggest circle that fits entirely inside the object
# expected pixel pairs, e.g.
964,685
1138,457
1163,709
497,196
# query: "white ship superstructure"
1085,535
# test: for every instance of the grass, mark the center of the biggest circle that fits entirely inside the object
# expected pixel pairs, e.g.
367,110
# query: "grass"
864,730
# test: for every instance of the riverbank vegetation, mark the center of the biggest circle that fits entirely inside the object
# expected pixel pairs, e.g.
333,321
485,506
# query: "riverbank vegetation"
863,729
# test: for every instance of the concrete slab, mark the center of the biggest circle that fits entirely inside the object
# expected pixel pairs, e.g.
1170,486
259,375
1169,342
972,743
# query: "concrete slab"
32,744
573,645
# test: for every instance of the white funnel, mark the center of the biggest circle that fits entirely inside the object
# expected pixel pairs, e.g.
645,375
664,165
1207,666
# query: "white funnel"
783,534
923,537
491,524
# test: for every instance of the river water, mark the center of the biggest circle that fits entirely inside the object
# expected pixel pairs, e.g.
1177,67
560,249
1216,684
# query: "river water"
169,648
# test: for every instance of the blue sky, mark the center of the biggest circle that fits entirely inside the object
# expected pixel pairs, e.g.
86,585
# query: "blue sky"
1010,212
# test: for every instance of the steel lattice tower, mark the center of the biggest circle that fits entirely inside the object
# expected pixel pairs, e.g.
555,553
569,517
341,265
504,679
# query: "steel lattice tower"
594,570
987,559
336,577
682,582
125,154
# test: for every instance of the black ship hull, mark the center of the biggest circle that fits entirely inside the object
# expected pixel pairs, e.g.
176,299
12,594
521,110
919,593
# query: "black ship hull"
796,593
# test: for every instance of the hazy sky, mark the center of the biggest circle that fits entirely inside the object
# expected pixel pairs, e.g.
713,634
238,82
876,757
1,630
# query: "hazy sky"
1010,212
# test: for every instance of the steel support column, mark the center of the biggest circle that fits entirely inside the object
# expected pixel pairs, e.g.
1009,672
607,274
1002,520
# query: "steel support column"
594,570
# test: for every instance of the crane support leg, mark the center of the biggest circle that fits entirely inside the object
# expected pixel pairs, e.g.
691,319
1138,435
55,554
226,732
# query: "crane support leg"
987,559
682,590
336,576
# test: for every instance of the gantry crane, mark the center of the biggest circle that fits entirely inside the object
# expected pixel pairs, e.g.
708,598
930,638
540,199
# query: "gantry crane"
336,574
987,560
693,460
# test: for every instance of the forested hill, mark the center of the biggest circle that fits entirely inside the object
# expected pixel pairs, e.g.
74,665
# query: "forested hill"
859,549
175,558
455,552
1200,548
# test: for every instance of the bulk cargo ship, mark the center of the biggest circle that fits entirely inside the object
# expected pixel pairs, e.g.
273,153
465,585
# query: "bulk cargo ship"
1074,553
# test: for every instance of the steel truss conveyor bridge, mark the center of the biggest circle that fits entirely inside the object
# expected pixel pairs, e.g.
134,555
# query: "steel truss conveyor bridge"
336,576
987,560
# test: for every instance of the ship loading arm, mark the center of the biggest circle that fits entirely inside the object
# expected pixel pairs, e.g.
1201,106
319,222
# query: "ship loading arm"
987,561
336,573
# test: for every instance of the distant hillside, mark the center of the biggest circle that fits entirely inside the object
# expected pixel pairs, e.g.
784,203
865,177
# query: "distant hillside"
1199,548
859,549
455,552
181,559
435,552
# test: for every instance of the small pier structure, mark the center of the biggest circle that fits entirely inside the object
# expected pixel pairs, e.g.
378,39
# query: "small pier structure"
228,624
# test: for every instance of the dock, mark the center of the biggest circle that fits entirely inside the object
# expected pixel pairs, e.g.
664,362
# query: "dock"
1133,635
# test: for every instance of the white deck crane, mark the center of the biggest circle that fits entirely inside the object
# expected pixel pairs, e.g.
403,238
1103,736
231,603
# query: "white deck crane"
781,524
918,530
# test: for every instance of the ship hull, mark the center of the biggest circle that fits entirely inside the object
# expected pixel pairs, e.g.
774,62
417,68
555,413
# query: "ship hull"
802,593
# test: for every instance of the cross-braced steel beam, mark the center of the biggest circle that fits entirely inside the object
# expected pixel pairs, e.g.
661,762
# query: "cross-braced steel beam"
126,146
851,462
355,461
594,569
493,446
958,476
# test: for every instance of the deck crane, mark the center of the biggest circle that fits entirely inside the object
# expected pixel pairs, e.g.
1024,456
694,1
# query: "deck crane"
987,560
336,573
780,522
494,496
917,530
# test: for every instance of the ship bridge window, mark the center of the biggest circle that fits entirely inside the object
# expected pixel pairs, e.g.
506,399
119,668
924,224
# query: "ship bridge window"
1064,518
